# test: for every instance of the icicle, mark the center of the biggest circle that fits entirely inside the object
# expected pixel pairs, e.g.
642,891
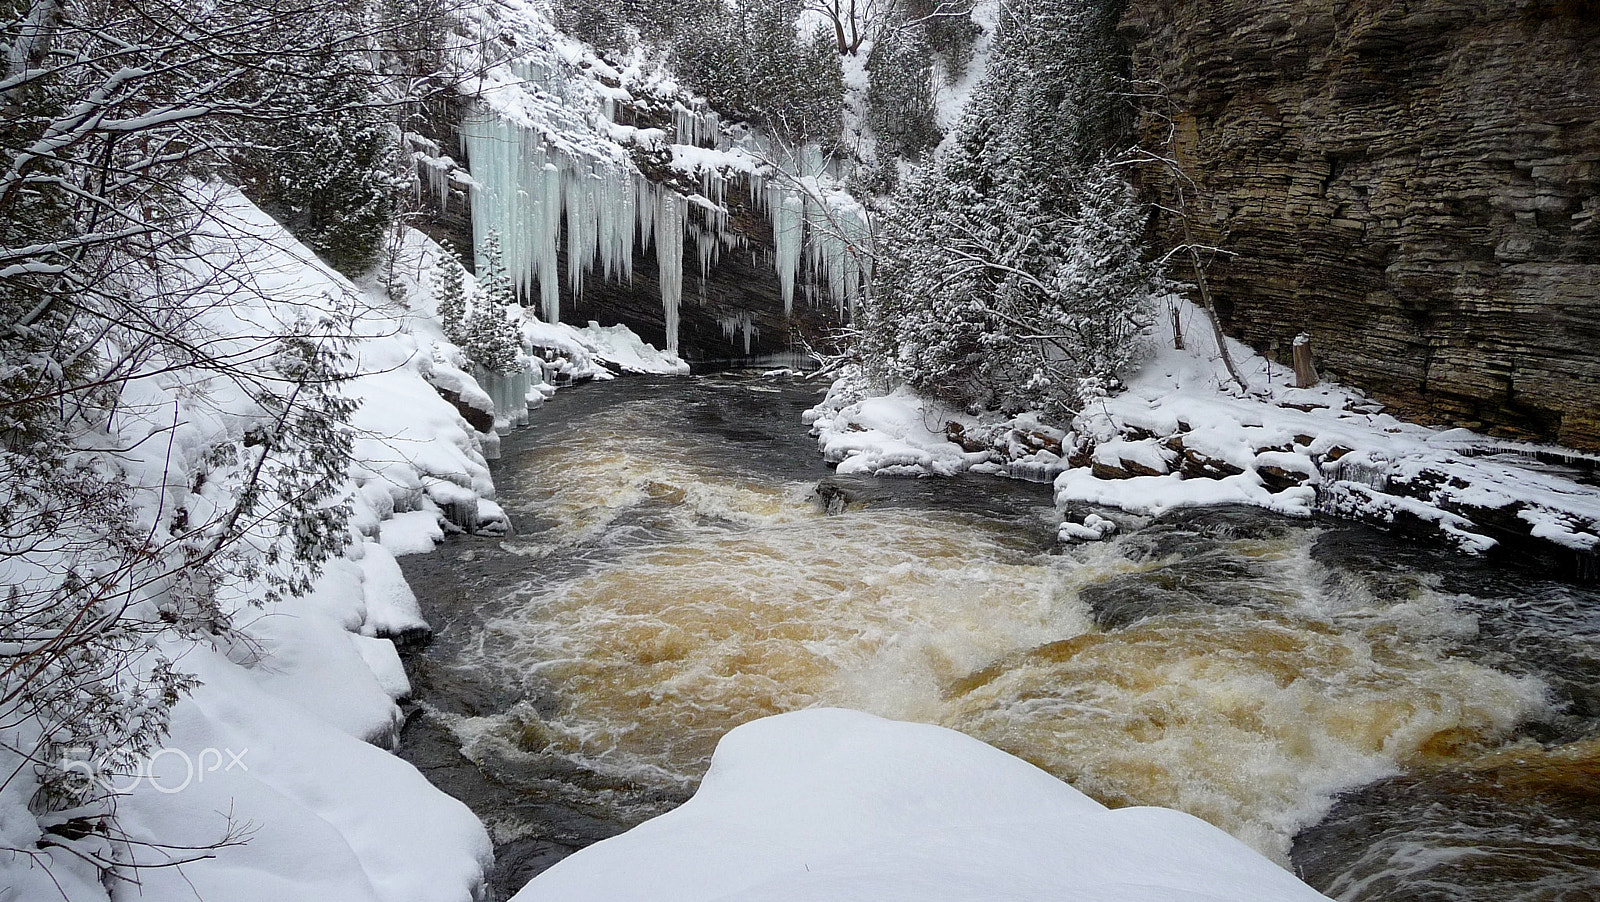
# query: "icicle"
606,209
645,205
626,199
583,225
788,240
545,242
706,246
671,212
739,324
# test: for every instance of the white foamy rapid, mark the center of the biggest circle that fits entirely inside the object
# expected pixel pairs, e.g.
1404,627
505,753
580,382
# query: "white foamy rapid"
742,600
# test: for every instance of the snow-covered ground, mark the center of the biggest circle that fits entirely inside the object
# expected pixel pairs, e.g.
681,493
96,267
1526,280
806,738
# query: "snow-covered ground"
1183,435
828,804
279,744
282,743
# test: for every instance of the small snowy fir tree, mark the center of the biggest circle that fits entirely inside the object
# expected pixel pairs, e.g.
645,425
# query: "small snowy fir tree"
490,338
450,287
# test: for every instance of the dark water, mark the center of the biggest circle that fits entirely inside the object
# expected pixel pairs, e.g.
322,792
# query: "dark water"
1392,721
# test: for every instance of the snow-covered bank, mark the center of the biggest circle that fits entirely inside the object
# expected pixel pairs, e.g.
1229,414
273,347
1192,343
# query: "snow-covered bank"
829,804
270,784
1181,435
273,782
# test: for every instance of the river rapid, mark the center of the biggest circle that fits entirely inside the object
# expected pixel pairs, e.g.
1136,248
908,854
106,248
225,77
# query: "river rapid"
1392,722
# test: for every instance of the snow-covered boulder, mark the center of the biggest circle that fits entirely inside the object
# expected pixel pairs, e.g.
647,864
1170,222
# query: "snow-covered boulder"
828,804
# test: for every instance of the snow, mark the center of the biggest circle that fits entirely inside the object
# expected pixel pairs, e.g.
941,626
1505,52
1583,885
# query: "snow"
587,353
329,817
279,745
951,98
891,435
829,804
412,532
391,606
1347,456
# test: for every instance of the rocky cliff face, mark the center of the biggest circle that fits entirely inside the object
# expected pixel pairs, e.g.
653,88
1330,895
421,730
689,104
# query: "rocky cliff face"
1417,184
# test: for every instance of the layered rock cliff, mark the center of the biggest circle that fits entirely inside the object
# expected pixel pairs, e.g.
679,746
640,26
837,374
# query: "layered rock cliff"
1417,184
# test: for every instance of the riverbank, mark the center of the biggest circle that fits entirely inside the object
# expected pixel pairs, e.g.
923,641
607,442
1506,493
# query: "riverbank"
1181,434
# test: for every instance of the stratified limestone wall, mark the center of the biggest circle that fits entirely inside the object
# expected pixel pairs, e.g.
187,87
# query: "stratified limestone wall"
1415,183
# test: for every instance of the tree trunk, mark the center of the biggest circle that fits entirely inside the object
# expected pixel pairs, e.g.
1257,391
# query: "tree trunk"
1305,373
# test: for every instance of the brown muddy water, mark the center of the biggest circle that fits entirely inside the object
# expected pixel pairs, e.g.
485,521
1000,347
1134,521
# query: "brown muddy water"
1390,721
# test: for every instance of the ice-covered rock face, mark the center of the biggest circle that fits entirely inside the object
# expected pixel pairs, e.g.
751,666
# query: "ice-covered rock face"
556,143
829,804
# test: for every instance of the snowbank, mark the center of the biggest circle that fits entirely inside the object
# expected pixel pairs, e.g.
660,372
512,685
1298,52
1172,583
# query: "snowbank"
1181,434
828,804
572,354
894,435
313,681
271,784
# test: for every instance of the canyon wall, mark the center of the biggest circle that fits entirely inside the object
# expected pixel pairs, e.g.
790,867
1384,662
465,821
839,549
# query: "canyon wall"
1416,184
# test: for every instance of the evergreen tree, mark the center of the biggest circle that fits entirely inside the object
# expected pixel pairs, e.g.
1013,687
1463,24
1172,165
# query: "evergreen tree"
948,30
488,336
450,288
1010,275
332,173
900,93
747,58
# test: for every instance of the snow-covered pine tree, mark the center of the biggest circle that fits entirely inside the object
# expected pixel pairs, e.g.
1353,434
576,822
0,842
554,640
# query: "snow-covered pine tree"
900,92
1010,276
332,173
488,336
750,61
450,289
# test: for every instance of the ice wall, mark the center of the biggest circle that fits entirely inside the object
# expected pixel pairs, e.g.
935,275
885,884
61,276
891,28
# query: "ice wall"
551,163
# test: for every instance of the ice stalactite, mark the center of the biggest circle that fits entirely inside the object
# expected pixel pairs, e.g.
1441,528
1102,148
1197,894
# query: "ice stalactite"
837,234
549,232
509,392
672,211
788,210
434,169
698,126
547,155
518,194
1362,469
831,236
739,325
524,186
615,199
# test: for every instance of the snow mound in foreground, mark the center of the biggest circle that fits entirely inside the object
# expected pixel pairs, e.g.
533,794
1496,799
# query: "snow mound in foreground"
829,804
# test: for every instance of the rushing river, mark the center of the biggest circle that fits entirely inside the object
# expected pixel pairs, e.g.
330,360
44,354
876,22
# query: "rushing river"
1392,722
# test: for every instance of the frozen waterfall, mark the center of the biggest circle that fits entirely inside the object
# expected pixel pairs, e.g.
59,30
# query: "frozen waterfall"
558,151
